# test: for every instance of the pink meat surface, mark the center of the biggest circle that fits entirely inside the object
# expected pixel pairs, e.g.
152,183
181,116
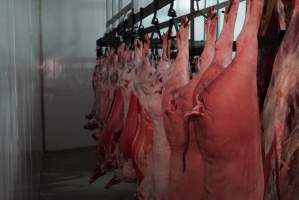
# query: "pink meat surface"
142,152
149,87
228,120
105,88
130,128
143,142
125,171
281,119
114,127
208,54
110,86
222,53
173,123
190,184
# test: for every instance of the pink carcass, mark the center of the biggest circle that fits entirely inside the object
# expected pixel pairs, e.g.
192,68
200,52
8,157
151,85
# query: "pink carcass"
142,146
182,184
228,123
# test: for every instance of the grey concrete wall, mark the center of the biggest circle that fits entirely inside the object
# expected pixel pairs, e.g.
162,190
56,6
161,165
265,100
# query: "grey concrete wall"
69,31
20,116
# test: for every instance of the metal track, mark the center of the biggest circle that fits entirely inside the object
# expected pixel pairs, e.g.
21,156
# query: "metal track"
150,9
122,12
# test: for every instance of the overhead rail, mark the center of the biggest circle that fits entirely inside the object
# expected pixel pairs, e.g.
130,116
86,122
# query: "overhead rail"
134,18
191,16
127,28
121,13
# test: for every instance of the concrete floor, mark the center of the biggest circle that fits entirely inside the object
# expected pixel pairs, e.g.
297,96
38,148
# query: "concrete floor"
65,176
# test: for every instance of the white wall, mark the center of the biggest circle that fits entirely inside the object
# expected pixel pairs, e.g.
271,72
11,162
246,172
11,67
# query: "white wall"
20,116
69,31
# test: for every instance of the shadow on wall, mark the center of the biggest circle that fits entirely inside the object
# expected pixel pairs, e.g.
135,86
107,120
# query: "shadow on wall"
68,97
70,29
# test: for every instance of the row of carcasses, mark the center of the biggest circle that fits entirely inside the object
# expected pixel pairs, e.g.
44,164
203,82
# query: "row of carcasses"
201,137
